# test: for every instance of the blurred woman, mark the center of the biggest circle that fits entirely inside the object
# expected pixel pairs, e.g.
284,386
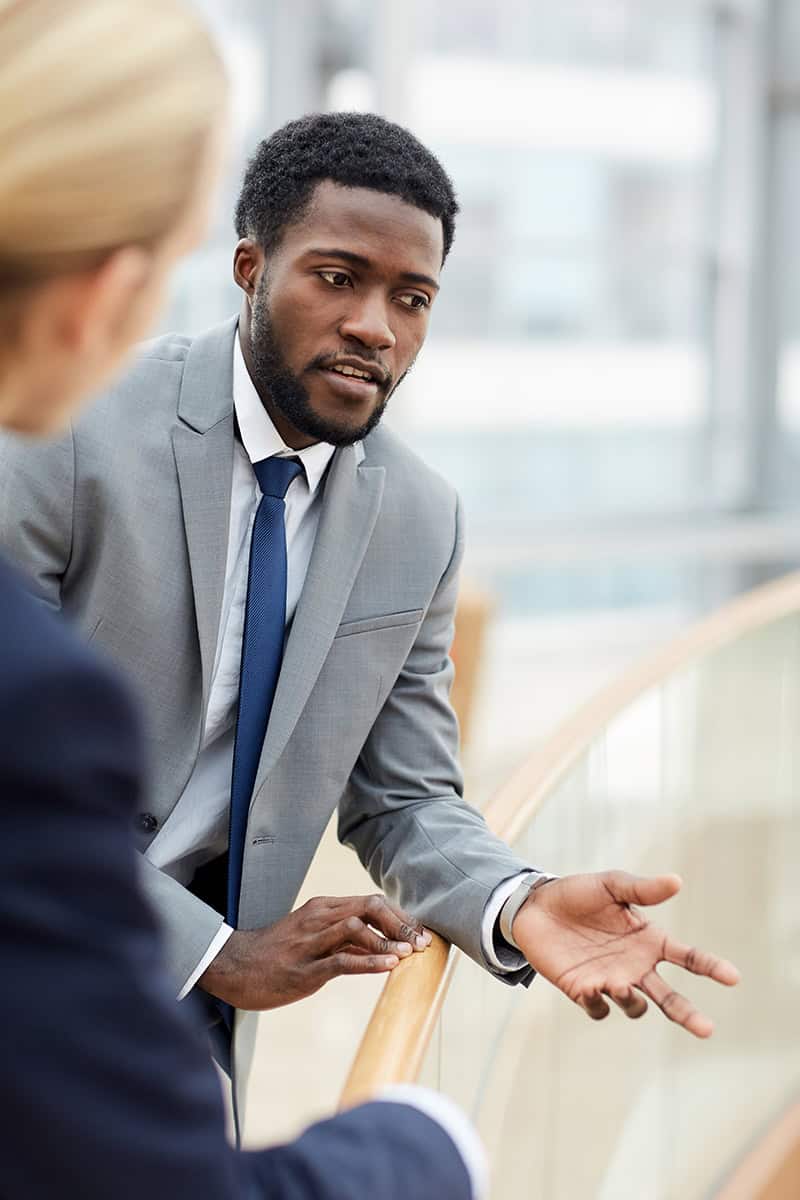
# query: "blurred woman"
110,136
110,142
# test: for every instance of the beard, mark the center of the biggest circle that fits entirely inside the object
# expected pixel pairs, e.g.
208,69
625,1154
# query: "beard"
274,379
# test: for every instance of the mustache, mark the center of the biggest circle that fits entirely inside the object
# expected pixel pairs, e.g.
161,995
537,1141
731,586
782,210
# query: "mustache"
325,361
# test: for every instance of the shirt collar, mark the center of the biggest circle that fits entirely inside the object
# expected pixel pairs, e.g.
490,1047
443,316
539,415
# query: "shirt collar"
260,438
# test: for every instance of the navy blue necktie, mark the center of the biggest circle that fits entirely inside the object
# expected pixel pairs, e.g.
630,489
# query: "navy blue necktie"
262,650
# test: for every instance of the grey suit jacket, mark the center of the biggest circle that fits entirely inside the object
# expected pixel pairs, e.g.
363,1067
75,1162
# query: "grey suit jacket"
124,524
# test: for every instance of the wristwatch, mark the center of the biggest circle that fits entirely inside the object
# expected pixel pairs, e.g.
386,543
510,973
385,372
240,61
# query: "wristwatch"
515,902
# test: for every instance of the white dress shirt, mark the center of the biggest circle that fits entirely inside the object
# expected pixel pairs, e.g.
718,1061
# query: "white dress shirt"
196,831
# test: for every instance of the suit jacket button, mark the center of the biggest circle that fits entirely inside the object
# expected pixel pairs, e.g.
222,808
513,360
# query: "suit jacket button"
146,823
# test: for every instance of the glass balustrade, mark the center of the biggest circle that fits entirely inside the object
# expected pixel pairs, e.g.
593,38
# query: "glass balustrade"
699,775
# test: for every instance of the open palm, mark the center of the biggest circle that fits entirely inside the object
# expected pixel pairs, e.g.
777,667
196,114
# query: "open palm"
582,934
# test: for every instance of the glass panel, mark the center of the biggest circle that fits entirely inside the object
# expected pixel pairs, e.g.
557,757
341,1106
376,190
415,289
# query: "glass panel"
700,776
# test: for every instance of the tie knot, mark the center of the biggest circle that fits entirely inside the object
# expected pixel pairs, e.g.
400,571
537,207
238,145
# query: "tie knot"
275,474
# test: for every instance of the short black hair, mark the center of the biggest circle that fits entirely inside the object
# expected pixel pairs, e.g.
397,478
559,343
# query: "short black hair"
353,149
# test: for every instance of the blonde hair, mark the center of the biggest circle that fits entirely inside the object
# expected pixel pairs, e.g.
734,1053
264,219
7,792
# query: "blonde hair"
106,107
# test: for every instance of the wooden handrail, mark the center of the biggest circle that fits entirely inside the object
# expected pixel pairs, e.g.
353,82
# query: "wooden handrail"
393,1048
473,613
770,1170
399,1030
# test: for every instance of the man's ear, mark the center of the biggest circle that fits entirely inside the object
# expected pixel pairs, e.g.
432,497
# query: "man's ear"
248,265
106,301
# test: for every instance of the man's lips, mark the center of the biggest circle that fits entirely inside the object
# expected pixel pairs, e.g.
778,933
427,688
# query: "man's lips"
353,386
353,364
349,387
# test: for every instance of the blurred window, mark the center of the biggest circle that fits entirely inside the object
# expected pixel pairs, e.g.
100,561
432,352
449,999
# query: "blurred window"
586,357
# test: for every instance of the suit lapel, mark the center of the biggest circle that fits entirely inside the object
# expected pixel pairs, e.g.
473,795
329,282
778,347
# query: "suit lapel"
205,466
350,508
203,446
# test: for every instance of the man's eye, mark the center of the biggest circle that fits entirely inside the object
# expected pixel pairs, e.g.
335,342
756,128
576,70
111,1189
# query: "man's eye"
335,278
414,300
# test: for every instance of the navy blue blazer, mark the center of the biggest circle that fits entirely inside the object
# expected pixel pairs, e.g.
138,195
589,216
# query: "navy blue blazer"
106,1087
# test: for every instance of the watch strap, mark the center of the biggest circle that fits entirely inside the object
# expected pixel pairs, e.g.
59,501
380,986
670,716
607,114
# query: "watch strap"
515,902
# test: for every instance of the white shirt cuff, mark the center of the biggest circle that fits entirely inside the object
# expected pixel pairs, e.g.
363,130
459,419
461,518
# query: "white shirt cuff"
218,941
501,956
454,1122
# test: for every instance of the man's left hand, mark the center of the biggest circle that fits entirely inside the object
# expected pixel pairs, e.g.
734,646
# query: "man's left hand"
582,934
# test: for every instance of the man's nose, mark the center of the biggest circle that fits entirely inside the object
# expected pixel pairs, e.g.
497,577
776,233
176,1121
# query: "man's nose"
368,323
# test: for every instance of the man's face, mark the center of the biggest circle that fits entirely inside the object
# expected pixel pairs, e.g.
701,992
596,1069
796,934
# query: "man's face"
339,311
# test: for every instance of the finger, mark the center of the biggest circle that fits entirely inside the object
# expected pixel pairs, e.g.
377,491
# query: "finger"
386,918
392,921
353,930
594,1004
675,1006
632,1003
700,962
345,963
641,889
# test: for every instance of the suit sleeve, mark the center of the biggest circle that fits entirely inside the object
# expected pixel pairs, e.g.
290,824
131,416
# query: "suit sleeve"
188,924
107,1088
37,490
403,810
380,1151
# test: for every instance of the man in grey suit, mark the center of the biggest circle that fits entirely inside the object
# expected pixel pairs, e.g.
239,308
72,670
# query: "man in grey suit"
146,524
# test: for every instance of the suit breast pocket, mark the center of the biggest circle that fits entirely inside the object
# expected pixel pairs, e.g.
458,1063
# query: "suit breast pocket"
396,620
364,655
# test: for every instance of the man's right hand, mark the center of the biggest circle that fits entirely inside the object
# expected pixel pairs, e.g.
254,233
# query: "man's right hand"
351,935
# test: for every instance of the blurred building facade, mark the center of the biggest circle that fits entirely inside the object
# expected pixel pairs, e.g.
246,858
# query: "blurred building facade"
612,377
